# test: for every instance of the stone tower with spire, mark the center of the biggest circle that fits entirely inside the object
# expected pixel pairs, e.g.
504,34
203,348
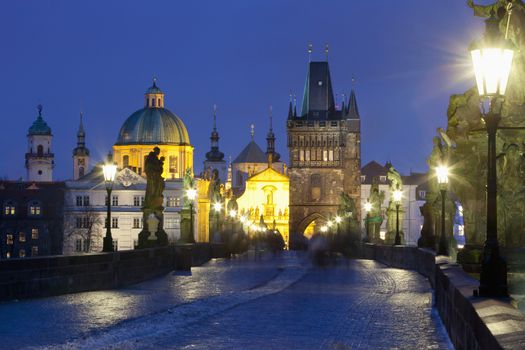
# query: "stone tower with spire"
80,153
215,158
40,161
271,153
325,153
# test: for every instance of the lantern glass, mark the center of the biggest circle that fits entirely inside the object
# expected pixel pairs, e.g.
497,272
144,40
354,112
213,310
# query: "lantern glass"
442,175
109,170
492,69
191,193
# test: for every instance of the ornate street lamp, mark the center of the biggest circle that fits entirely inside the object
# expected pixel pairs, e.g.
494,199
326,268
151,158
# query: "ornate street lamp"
338,221
110,170
397,195
368,208
217,207
442,179
492,60
191,194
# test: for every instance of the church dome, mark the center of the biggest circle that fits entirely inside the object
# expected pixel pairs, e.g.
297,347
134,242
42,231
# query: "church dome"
39,126
153,126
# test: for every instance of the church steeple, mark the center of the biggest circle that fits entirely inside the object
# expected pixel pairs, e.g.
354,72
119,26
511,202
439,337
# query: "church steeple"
80,153
214,155
353,111
40,160
270,141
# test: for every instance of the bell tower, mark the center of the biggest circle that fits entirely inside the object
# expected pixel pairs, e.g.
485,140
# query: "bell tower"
80,153
40,161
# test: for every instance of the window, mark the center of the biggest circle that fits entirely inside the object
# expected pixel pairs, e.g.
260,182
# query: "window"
315,187
79,201
382,178
331,155
325,155
82,201
40,150
170,223
114,222
125,161
173,164
86,201
78,223
81,171
307,155
114,200
34,233
138,201
301,155
22,253
173,201
8,255
363,177
115,245
422,194
87,244
9,238
34,208
136,222
21,237
9,208
34,250
78,245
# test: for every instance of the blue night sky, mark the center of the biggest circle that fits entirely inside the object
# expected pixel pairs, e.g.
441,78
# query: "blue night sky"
408,57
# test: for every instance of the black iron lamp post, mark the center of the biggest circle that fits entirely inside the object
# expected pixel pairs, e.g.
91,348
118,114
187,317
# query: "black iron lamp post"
442,179
397,195
233,215
191,194
110,170
492,60
368,208
217,207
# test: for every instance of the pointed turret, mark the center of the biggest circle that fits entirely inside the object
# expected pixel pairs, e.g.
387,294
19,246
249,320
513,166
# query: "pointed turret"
318,96
353,111
273,157
81,152
290,108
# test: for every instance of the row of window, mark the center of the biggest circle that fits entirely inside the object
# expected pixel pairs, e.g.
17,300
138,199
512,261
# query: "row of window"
311,123
22,253
172,163
10,238
34,208
315,141
315,155
138,201
87,222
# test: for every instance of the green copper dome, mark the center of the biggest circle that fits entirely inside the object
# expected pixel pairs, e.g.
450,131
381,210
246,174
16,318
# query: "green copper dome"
153,126
39,126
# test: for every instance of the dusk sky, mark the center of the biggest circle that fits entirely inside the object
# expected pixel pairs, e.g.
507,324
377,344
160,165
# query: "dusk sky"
99,57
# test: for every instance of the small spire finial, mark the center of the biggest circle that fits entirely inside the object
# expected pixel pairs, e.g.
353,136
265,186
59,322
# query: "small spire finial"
214,117
271,117
252,130
39,108
154,80
309,52
354,81
294,105
326,50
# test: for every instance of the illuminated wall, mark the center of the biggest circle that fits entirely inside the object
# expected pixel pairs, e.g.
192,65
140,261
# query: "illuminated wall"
267,194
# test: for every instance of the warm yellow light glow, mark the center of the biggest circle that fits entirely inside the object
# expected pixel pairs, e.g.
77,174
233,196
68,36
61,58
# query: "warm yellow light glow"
368,207
338,219
110,170
324,228
233,213
329,223
492,69
242,219
397,195
442,174
191,193
217,206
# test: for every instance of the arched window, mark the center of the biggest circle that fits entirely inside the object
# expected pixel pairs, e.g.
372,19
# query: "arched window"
125,161
40,150
9,208
81,171
35,208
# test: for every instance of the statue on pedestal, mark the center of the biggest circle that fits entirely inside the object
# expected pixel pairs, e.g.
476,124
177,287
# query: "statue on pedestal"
153,233
375,217
396,183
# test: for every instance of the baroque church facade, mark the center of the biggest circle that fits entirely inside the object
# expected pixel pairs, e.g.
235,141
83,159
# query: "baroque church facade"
324,144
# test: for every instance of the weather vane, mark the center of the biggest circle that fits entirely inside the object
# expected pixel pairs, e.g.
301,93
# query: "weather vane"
252,131
39,107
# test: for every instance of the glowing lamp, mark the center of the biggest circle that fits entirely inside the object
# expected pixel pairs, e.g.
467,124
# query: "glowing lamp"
109,170
217,206
191,193
397,195
368,207
442,175
233,213
338,219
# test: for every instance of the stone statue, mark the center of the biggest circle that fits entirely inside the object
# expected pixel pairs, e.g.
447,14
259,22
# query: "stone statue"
499,8
428,238
376,215
348,212
153,233
394,178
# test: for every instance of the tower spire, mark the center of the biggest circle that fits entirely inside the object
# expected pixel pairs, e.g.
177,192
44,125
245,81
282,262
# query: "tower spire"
214,117
270,142
252,131
290,107
326,51
309,52
294,105
214,155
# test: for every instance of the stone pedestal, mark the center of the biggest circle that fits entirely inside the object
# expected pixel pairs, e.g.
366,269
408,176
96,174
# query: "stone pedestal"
152,234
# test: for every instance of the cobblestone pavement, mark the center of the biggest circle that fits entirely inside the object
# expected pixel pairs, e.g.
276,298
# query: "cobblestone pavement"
280,303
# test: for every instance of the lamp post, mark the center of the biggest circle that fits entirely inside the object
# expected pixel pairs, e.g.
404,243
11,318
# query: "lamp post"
397,195
442,179
217,207
191,194
492,60
233,215
368,208
338,221
110,170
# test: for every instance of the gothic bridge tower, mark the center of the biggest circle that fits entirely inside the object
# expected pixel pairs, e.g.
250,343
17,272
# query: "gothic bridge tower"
325,153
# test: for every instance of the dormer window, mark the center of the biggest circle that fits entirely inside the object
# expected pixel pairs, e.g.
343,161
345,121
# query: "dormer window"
382,178
363,177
